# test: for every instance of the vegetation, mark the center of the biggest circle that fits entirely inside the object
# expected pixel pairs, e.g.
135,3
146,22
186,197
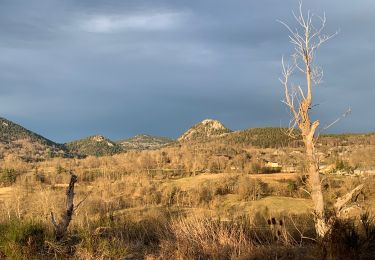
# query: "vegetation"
306,39
270,137
187,200
15,139
93,145
20,239
10,131
208,216
261,193
7,177
142,142
204,131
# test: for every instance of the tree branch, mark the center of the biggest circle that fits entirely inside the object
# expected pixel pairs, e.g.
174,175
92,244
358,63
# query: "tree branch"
342,201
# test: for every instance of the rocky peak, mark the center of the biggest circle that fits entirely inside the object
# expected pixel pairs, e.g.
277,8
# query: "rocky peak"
98,138
204,130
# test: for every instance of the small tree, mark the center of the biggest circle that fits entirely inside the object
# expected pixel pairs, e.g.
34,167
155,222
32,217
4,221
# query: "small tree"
306,39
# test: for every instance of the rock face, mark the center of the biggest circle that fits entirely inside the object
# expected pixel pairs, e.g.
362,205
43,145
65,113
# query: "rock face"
145,142
204,130
98,138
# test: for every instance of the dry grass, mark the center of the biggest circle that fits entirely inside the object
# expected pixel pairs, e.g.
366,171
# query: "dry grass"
203,238
5,193
179,214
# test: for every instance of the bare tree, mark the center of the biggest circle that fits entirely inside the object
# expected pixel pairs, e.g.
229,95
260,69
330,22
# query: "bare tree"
306,39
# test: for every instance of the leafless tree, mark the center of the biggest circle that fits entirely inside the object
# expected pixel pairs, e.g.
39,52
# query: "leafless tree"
306,39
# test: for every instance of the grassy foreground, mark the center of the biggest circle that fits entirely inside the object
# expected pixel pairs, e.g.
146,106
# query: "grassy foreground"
145,205
207,216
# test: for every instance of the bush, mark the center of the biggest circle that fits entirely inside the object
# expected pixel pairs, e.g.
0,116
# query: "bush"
170,196
151,195
205,195
40,177
60,169
348,240
256,168
289,188
225,186
252,189
341,165
8,176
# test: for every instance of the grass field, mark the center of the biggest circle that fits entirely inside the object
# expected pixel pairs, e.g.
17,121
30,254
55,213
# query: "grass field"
5,193
163,217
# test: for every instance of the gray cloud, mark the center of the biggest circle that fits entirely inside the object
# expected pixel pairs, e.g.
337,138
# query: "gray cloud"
74,68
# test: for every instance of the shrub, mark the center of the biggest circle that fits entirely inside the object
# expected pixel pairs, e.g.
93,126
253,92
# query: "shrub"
225,186
40,177
290,188
8,176
205,195
348,240
251,189
256,167
170,195
341,165
151,195
60,169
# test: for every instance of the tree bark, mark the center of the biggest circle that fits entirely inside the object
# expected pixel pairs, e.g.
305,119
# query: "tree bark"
321,226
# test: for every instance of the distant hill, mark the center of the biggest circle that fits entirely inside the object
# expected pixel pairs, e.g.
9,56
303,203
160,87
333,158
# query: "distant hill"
204,131
29,146
267,137
348,139
144,142
276,137
96,145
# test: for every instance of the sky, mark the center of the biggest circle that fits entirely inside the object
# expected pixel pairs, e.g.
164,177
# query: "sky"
70,69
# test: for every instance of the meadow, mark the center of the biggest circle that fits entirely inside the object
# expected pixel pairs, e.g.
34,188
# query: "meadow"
176,203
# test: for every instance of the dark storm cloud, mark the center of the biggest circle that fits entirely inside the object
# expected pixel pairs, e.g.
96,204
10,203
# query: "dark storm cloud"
74,68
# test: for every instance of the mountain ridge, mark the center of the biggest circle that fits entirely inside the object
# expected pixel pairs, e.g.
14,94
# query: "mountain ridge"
28,145
16,139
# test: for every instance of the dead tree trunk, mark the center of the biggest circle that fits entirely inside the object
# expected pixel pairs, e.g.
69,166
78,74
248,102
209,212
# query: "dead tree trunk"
321,226
62,227
306,40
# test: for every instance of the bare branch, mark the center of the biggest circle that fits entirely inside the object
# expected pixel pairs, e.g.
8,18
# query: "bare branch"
347,112
87,195
342,201
300,233
53,220
305,191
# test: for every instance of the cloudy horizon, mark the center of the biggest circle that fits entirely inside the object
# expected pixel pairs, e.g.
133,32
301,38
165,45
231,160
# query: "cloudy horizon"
70,69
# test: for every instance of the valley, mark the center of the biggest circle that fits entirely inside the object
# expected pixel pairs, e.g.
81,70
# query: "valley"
209,174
